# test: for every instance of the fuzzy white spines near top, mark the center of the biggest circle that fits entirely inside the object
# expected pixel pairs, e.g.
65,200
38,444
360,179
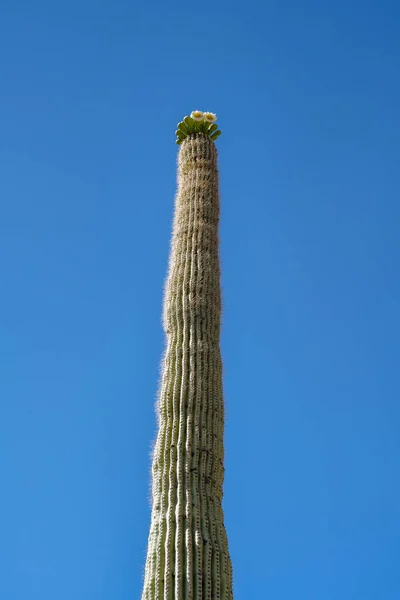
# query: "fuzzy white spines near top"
188,557
198,122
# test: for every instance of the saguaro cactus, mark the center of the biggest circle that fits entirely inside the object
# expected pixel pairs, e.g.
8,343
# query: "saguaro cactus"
188,557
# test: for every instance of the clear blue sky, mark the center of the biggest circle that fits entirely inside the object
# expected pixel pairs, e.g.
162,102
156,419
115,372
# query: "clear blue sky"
308,97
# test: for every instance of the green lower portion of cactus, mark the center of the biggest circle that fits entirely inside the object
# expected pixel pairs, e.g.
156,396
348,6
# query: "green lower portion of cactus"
188,557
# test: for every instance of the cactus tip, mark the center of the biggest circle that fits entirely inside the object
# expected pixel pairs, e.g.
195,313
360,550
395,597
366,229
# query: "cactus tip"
198,122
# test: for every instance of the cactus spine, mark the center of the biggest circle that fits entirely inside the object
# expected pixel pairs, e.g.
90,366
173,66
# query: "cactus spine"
187,556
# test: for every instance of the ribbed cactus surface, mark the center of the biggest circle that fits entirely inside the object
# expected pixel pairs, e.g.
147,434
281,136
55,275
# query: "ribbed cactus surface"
187,557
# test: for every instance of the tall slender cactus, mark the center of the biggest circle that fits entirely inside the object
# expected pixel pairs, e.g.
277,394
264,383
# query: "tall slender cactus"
187,556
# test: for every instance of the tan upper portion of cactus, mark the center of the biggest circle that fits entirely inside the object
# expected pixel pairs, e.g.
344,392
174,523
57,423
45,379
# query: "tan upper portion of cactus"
188,557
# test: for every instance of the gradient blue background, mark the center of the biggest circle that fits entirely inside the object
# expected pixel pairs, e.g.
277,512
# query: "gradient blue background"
308,97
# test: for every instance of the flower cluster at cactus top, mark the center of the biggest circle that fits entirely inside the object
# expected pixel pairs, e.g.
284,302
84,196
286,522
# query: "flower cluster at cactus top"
199,115
198,122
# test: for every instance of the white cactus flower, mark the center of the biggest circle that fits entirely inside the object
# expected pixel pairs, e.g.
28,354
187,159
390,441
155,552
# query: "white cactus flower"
197,115
210,117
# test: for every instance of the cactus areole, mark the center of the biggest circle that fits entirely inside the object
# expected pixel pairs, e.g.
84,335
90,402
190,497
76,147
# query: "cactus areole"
187,556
